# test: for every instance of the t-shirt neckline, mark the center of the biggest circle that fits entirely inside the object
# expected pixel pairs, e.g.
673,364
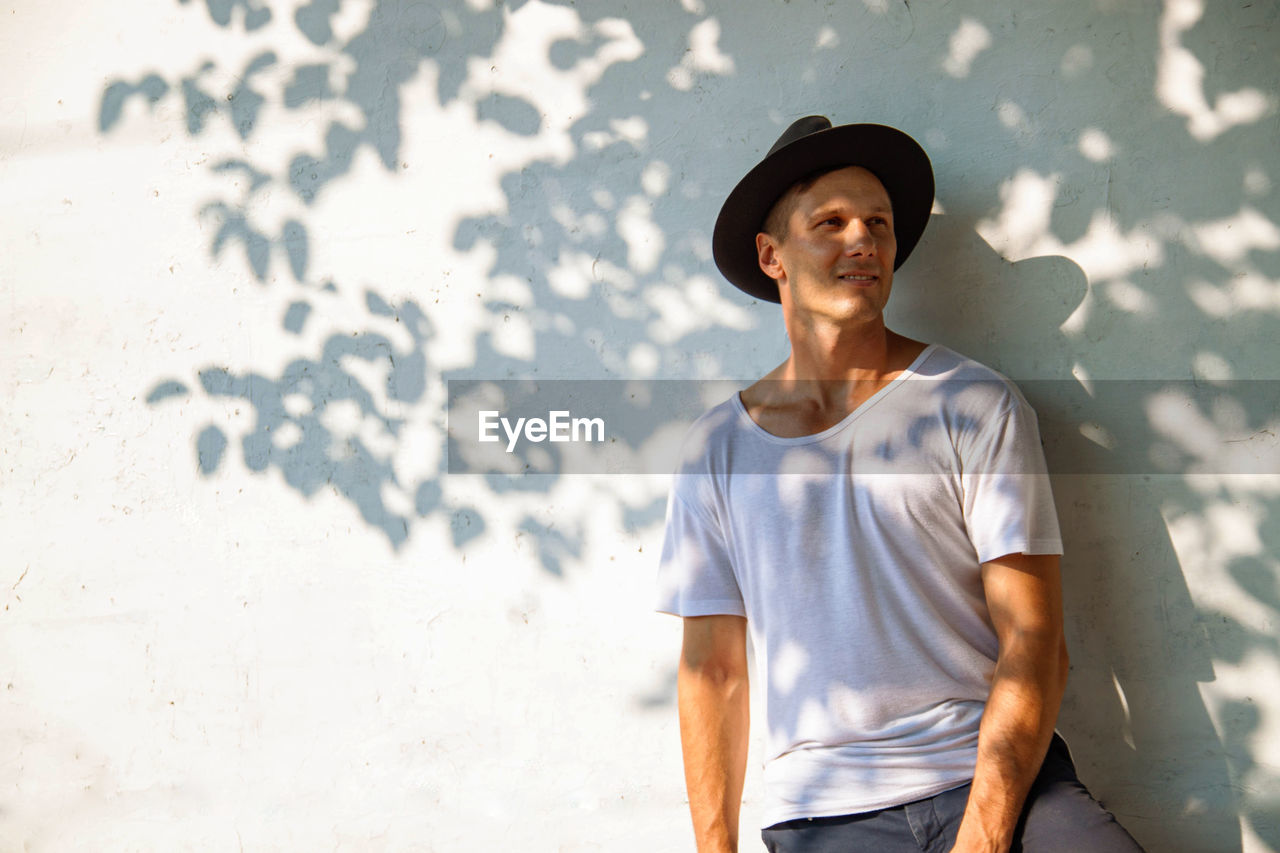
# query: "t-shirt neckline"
863,407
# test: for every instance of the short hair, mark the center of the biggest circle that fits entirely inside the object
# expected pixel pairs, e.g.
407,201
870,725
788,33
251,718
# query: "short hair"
775,221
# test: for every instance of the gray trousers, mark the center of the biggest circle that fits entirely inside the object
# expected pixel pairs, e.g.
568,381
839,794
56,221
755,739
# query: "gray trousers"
1059,817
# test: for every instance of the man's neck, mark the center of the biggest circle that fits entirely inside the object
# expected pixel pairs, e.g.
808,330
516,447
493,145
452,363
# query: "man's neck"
836,352
827,375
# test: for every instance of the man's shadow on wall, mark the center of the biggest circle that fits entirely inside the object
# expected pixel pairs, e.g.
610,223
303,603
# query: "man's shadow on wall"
1138,727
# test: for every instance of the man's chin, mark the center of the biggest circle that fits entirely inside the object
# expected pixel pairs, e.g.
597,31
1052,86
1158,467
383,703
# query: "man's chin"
851,312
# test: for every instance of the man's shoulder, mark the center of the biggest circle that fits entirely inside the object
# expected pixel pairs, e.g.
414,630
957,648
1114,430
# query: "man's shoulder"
965,380
941,362
708,435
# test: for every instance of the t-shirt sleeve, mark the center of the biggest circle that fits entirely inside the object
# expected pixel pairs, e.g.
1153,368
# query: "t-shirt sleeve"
1008,500
695,574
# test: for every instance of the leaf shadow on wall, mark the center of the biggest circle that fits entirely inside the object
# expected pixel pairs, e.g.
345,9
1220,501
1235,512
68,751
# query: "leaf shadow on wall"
628,216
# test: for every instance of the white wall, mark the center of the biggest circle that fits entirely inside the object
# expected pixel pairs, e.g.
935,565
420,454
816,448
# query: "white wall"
241,248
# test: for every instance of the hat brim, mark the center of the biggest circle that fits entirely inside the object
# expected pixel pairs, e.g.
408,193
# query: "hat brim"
888,153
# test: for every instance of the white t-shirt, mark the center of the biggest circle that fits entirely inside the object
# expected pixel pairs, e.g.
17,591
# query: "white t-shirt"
855,555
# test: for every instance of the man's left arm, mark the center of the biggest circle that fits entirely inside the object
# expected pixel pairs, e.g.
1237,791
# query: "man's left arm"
1024,596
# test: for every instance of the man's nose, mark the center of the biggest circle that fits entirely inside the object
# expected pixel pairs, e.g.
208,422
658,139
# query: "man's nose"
858,239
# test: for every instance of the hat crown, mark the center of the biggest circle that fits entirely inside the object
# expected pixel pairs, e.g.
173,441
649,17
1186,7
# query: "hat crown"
799,129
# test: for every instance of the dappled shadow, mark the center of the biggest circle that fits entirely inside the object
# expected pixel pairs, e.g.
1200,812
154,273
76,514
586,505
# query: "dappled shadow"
1087,237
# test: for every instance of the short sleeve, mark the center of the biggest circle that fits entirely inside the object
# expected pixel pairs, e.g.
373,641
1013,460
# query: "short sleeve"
1008,500
695,575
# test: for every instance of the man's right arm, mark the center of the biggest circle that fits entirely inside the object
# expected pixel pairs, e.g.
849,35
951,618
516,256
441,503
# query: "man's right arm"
714,702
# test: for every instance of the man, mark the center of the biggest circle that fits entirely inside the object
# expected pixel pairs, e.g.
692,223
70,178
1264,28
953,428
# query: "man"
876,513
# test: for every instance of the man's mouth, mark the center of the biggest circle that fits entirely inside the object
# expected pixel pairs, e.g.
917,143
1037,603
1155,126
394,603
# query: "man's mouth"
858,277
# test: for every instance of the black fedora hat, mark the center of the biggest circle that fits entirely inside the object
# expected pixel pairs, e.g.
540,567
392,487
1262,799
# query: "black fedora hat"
811,145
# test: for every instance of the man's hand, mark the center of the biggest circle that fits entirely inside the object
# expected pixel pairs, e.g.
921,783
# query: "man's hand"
714,712
1024,595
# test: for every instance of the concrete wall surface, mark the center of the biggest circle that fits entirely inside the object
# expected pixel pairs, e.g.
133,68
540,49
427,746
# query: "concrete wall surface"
249,604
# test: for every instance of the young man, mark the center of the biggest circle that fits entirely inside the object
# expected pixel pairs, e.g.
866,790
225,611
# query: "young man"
876,513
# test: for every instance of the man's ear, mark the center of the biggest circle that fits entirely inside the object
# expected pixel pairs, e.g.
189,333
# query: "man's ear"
767,255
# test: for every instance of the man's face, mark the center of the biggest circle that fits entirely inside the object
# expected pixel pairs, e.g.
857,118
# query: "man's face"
835,259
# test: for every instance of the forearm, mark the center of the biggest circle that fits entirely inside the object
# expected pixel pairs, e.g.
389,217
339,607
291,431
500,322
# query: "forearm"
1013,738
714,722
